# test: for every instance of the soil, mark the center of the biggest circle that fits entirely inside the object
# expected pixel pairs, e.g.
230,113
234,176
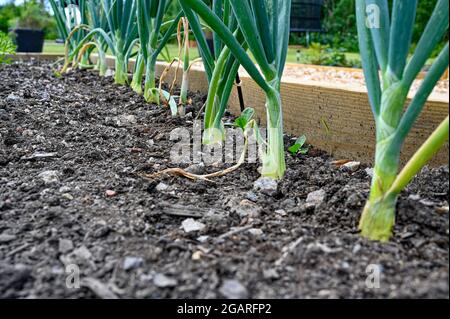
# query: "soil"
72,151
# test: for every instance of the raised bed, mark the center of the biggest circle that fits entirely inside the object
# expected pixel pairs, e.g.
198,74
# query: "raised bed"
73,150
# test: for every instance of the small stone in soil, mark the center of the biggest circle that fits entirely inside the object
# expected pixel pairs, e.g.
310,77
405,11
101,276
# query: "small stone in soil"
426,202
64,189
369,171
67,196
6,238
49,177
197,255
414,197
356,248
281,212
190,225
125,120
266,186
14,99
270,274
39,155
161,187
109,73
82,253
233,289
351,166
442,210
255,232
247,208
251,196
203,239
65,246
110,193
316,198
162,281
132,262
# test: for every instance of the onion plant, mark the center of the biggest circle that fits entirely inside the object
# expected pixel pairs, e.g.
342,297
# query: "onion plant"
123,30
119,33
184,61
154,34
97,20
385,45
264,26
184,58
221,66
68,15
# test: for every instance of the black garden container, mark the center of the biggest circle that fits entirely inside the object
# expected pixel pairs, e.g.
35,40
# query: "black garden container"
306,15
29,40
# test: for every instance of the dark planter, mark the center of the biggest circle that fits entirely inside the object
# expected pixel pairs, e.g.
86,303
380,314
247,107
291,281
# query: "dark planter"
306,15
29,40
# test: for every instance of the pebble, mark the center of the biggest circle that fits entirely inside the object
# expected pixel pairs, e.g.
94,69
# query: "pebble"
110,193
266,185
197,255
12,98
203,239
369,171
247,208
65,246
281,212
255,232
351,166
270,274
109,73
190,225
161,187
67,196
6,238
353,200
442,210
82,253
162,281
317,197
215,216
125,120
64,189
426,202
40,155
251,196
233,289
49,177
132,262
4,115
356,248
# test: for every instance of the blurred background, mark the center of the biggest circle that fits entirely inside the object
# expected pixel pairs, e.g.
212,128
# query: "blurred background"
332,41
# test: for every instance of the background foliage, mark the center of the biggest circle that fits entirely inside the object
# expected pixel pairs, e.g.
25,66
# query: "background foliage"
30,14
339,24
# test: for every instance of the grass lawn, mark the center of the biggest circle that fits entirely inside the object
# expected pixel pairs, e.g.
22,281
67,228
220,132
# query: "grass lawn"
52,47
